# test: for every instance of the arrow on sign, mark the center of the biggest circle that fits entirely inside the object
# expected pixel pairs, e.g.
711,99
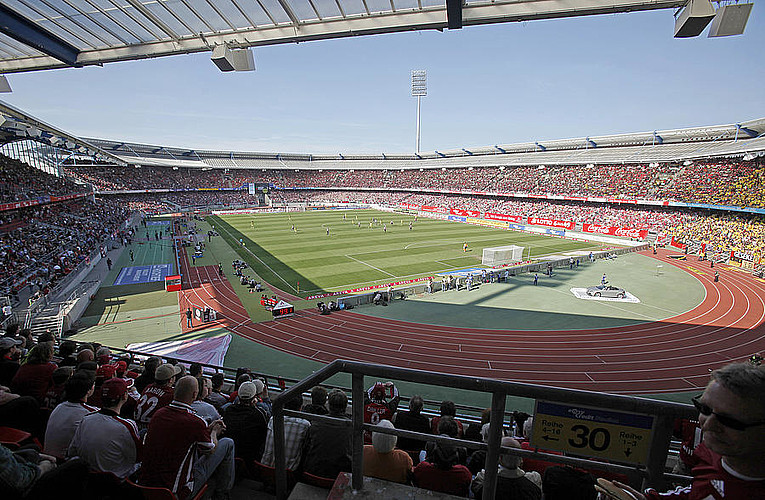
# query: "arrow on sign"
628,452
548,438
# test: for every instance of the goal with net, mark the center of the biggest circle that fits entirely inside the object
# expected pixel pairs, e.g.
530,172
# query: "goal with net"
497,256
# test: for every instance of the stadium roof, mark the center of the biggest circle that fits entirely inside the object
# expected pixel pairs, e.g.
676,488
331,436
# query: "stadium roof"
745,139
16,125
735,140
45,34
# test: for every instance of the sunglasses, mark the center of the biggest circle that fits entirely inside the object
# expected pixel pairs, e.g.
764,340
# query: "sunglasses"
723,419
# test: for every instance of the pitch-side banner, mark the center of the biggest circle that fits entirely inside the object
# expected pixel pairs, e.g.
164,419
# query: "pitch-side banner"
437,210
464,213
518,219
625,232
540,221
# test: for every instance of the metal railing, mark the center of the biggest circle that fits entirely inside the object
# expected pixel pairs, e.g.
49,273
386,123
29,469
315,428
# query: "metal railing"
653,473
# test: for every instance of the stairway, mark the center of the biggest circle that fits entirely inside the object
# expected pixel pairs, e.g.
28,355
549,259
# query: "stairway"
47,320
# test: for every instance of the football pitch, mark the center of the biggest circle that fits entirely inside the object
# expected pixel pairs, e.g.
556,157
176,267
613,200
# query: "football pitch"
333,250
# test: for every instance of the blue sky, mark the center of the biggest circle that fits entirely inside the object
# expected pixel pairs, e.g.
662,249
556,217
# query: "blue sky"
487,85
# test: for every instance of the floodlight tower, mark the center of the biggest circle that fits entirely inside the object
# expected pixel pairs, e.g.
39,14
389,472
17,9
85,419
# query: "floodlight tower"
419,90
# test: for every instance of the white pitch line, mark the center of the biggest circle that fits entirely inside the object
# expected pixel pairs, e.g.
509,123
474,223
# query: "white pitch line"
261,261
370,265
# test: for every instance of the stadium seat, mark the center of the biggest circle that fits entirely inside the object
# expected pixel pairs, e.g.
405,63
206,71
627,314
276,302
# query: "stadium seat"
267,476
107,486
321,482
154,493
13,438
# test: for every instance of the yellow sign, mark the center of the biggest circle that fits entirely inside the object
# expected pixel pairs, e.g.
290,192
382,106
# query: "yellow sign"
592,432
486,222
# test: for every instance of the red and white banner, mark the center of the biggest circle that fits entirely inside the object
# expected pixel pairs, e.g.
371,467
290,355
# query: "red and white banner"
18,204
540,221
625,232
465,213
54,199
438,210
620,200
517,219
367,288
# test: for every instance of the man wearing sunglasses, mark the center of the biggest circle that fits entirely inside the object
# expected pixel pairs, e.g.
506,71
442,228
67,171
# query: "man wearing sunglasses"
731,457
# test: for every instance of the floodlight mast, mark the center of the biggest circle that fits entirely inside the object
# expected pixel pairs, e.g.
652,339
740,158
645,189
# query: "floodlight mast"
419,90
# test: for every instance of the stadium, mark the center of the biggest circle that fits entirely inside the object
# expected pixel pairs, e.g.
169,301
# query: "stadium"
579,290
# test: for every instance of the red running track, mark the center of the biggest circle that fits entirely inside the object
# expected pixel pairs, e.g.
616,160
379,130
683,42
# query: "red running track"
673,355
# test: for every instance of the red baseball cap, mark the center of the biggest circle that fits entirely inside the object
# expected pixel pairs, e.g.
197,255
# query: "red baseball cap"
114,388
106,371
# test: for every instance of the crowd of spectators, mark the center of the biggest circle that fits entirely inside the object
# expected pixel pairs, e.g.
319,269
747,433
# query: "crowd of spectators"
20,182
90,410
106,413
31,254
42,244
719,182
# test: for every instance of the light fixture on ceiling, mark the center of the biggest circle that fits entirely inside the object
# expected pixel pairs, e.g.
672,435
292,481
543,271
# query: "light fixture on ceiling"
227,59
694,17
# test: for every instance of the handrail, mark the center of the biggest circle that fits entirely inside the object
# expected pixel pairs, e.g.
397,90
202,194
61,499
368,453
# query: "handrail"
653,473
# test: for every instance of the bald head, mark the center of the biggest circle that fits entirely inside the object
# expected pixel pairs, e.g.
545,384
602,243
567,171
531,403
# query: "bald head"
186,389
510,461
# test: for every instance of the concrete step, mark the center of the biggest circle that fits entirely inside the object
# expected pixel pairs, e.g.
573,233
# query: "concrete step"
303,491
42,324
247,489
377,489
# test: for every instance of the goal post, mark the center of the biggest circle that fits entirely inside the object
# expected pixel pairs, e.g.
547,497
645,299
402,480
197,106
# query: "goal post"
497,256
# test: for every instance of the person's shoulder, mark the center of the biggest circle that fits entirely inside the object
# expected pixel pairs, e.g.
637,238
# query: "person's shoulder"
424,466
404,456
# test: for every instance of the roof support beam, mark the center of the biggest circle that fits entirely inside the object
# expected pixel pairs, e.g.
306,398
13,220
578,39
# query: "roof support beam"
21,29
454,14
429,18
137,5
290,13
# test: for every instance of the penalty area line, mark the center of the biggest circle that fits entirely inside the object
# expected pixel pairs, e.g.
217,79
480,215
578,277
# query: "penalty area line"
370,265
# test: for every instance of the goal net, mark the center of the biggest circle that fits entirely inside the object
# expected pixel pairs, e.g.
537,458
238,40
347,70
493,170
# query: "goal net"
502,255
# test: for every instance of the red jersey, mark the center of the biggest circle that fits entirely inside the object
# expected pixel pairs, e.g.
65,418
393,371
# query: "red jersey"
153,398
176,438
691,436
374,412
713,480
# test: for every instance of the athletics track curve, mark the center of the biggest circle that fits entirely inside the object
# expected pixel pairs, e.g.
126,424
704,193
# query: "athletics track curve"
672,355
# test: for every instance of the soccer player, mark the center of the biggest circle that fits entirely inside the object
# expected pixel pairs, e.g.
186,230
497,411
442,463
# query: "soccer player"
465,247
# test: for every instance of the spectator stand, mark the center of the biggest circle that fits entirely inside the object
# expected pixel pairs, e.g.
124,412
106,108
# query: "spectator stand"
67,300
278,383
652,473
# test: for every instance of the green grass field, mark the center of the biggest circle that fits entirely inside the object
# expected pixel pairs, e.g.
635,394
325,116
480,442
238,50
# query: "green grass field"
355,254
